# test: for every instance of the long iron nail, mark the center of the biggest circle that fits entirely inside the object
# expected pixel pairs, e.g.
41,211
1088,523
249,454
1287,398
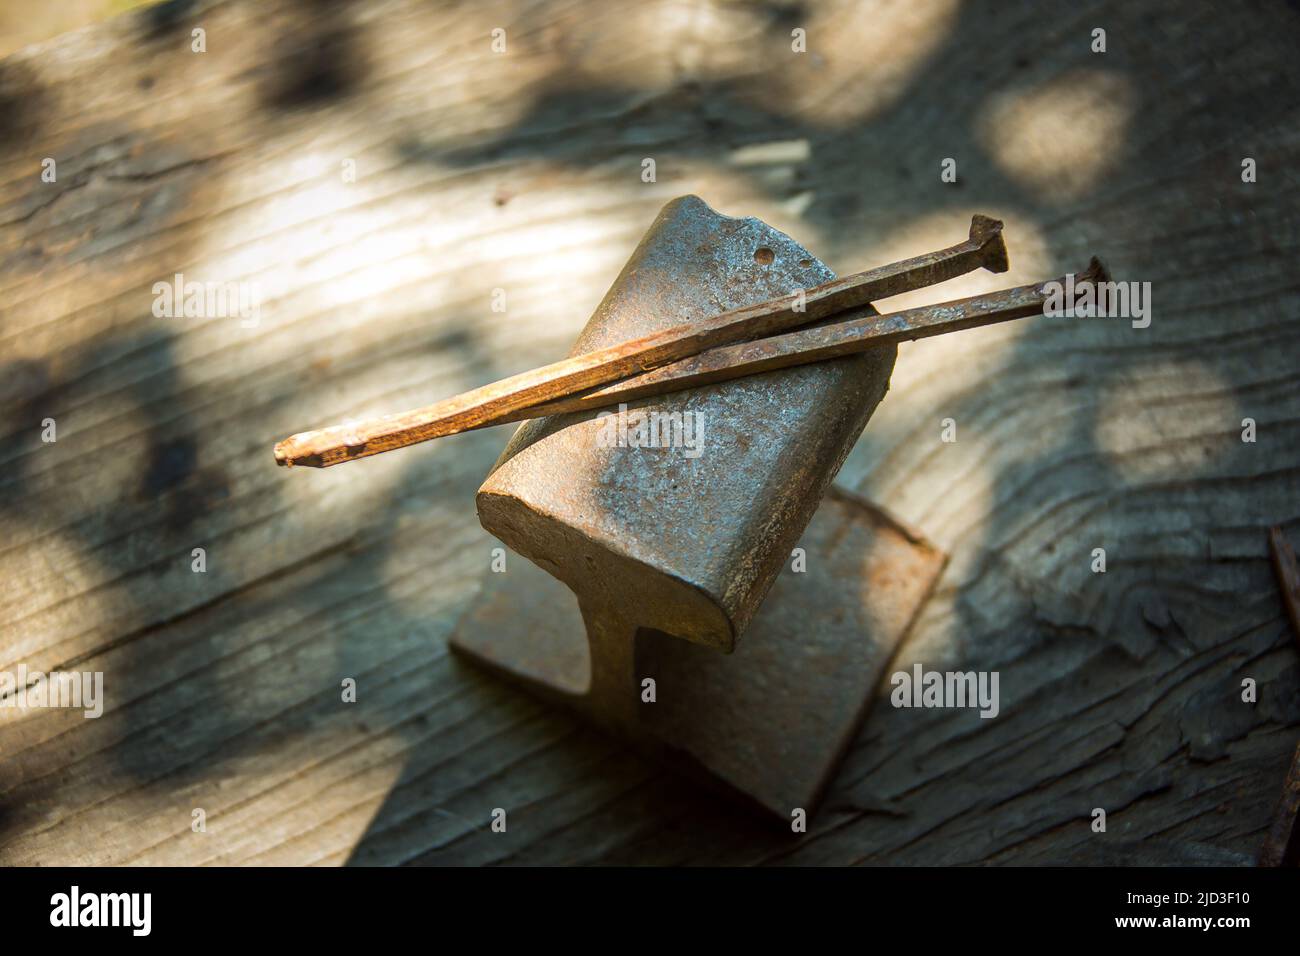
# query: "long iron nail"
505,400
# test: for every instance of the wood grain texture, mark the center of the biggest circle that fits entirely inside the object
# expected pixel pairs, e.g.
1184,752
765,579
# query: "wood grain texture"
521,171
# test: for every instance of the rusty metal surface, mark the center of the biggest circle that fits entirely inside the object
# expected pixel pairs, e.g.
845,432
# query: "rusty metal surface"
769,721
1282,843
1287,570
546,390
832,339
688,546
774,718
658,546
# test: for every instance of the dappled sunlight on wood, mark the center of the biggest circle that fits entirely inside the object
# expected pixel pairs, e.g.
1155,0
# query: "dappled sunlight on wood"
1171,420
1058,140
522,172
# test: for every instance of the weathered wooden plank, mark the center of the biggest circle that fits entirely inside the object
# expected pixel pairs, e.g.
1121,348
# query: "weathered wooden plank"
522,171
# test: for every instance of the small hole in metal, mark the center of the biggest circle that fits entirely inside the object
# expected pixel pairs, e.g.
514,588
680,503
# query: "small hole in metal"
764,256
